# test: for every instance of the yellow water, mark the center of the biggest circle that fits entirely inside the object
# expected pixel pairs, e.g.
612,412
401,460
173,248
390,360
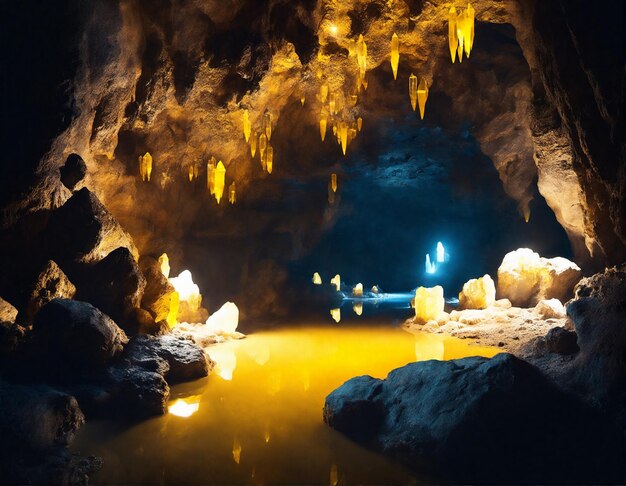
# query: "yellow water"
258,418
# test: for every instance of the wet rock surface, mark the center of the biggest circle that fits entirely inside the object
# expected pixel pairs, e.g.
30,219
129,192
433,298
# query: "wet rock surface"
449,417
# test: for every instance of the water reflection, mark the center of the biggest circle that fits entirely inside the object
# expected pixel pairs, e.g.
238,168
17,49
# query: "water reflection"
261,421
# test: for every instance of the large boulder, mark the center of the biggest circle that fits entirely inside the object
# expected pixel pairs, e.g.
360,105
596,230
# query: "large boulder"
73,338
84,230
50,284
116,286
478,293
472,420
73,171
525,278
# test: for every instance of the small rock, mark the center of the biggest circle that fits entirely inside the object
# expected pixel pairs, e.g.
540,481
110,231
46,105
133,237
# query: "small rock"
73,171
561,341
478,293
550,308
502,303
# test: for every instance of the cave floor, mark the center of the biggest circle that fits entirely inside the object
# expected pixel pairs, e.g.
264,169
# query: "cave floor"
257,419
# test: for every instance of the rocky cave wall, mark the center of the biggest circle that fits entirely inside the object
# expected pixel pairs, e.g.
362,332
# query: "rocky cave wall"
173,78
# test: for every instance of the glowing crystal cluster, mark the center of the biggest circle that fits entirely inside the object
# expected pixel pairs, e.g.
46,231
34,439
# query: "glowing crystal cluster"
461,32
429,303
478,293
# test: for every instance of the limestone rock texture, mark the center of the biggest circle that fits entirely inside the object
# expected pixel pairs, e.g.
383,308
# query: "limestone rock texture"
478,293
525,278
51,284
8,312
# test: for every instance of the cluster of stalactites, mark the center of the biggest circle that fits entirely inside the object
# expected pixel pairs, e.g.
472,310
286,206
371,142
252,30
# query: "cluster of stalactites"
193,171
145,166
461,32
259,142
216,178
418,94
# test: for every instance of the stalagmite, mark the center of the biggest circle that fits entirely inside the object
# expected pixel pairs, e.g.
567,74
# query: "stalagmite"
357,291
253,142
333,182
430,266
164,264
413,90
210,175
323,124
336,281
422,96
359,123
453,39
429,303
246,125
269,159
361,55
220,179
357,307
232,196
145,166
317,279
395,54
441,252
224,321
335,314
268,125
187,290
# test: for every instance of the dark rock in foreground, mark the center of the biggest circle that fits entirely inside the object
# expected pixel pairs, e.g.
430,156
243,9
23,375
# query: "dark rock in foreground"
75,338
36,425
135,386
478,420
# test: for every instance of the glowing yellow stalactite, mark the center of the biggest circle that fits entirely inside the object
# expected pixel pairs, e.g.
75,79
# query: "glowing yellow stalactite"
236,450
395,54
335,314
359,123
336,281
422,96
269,159
361,55
453,39
190,172
145,166
323,124
262,145
302,100
210,175
268,125
343,133
471,14
246,125
317,279
333,182
413,90
220,179
357,291
253,141
232,193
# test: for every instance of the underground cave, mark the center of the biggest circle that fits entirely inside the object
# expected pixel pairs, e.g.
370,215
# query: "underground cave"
313,242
